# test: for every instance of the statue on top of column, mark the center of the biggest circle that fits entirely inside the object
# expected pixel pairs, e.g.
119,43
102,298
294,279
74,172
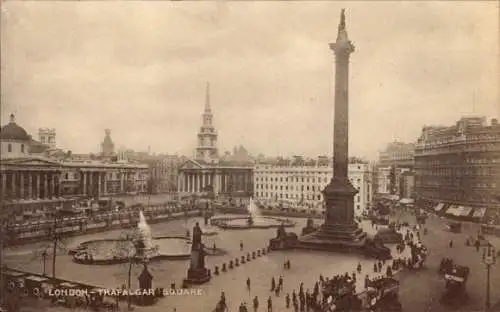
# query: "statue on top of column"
342,20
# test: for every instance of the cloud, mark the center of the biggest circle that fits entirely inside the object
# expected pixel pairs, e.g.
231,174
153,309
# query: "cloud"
139,68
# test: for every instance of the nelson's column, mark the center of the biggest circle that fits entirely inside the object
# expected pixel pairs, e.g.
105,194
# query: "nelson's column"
340,230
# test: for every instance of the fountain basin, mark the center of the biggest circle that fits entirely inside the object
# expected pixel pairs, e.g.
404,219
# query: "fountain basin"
111,251
242,223
114,251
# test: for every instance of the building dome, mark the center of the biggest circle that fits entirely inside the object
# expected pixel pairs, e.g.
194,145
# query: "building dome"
12,131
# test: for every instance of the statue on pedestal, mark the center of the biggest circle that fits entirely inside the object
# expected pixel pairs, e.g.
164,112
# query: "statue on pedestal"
197,234
197,273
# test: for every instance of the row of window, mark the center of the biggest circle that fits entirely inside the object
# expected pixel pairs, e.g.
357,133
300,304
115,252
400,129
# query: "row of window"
295,196
296,179
9,148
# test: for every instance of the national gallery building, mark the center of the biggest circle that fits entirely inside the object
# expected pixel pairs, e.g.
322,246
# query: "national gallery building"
32,182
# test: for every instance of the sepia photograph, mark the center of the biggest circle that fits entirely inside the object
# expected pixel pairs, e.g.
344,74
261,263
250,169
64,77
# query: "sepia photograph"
251,156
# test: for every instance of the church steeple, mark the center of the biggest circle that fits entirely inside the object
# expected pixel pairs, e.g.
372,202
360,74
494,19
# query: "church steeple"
208,109
207,136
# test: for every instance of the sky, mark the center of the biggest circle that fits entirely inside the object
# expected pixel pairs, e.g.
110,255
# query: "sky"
140,69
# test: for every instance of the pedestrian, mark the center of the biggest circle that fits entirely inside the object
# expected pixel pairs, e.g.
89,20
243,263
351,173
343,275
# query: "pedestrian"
248,284
451,244
477,244
269,304
241,245
280,282
255,304
287,300
273,284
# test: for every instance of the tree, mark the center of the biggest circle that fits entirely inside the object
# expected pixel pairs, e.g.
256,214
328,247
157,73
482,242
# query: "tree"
126,248
56,235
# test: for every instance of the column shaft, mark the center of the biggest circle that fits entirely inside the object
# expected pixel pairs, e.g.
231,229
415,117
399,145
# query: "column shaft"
52,185
46,185
21,184
13,182
4,183
30,185
38,184
84,185
99,176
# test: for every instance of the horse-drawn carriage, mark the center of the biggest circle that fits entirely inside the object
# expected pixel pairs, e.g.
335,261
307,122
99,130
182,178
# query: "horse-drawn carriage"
382,295
455,227
455,277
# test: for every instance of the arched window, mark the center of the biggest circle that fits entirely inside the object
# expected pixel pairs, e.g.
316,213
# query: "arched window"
22,148
9,148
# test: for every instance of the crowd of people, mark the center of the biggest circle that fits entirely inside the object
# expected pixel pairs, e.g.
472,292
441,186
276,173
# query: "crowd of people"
339,291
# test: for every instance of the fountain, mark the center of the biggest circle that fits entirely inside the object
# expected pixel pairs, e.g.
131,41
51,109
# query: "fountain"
147,248
144,246
254,220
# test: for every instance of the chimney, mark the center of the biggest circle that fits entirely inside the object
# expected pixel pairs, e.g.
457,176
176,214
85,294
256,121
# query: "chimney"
494,122
12,118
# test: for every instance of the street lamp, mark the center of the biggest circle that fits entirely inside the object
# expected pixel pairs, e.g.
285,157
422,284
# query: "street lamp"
489,259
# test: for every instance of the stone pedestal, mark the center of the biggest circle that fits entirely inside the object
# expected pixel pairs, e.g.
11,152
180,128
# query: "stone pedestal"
340,232
197,273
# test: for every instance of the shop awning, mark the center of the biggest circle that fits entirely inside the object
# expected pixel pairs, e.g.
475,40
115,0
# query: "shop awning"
466,211
479,213
452,210
439,207
406,201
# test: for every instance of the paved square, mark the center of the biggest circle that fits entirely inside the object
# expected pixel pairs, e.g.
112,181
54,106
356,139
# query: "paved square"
420,290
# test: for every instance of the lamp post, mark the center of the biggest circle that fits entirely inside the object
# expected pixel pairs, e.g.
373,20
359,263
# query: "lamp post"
489,259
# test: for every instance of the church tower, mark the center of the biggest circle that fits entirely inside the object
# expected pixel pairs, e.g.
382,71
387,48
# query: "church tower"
207,136
107,145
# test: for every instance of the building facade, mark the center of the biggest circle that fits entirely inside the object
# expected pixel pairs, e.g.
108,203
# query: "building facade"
208,172
393,162
29,181
47,137
303,185
164,173
459,165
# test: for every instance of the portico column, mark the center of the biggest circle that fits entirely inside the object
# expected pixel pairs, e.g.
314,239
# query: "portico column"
21,174
4,183
14,190
55,184
99,176
52,185
84,185
196,179
45,185
38,182
191,182
30,185
200,181
186,181
197,182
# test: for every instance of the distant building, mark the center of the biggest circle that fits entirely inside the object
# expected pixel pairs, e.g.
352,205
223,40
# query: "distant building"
107,145
459,166
14,140
208,172
396,159
407,185
164,173
301,181
207,136
47,137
